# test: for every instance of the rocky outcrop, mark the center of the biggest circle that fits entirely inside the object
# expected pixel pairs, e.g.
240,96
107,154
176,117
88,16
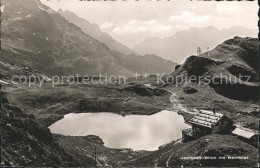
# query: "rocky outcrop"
189,90
231,69
198,66
144,91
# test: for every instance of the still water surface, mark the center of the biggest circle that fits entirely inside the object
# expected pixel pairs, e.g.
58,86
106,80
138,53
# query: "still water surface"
138,132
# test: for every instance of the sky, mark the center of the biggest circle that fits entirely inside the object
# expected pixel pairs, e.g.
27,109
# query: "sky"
130,22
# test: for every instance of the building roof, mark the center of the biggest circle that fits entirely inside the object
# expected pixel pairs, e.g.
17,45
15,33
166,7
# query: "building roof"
243,133
206,118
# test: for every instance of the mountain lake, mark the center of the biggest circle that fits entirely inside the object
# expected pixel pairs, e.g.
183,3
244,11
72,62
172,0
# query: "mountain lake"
138,132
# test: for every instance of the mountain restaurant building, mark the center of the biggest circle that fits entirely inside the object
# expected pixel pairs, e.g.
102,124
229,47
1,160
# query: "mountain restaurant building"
246,136
207,122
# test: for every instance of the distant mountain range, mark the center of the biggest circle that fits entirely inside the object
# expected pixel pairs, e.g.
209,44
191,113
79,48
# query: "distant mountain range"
94,31
184,43
34,35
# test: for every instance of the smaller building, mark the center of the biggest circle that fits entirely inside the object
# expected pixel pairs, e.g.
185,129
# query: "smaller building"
246,136
207,122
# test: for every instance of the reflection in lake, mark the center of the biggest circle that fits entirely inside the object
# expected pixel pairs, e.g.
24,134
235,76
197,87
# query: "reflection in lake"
138,132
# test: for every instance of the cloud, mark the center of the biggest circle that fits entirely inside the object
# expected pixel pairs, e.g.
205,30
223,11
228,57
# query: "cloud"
151,22
132,26
162,28
128,29
135,30
107,25
201,19
187,16
181,17
145,22
151,27
228,10
130,22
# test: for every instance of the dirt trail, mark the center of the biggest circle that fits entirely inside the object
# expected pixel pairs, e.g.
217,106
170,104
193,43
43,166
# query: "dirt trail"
126,100
177,106
168,160
160,157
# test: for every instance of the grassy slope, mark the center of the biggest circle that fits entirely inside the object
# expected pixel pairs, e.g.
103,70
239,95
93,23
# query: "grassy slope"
85,146
233,57
49,104
210,145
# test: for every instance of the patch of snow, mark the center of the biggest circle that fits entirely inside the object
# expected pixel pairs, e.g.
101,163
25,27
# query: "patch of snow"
41,8
2,63
47,79
7,65
13,50
19,18
48,11
41,37
147,85
90,42
2,8
47,38
1,81
34,34
28,16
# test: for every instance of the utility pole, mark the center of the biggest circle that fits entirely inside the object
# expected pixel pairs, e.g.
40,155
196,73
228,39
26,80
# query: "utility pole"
199,52
239,122
95,156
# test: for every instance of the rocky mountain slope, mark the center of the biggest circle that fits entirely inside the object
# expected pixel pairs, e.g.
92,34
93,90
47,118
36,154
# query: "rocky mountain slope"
94,31
26,143
225,78
11,72
35,39
30,110
34,35
184,43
